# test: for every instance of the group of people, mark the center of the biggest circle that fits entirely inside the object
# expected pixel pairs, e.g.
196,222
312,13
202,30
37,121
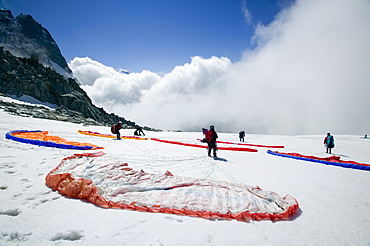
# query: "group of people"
118,126
210,137
328,141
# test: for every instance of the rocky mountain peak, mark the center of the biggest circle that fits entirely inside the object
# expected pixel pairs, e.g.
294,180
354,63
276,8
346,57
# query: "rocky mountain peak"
5,15
23,36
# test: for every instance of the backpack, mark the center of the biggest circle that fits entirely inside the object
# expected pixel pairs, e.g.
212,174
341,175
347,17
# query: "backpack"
113,129
209,136
330,142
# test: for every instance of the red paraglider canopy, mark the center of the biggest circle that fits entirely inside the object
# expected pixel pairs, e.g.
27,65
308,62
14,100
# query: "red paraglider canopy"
204,146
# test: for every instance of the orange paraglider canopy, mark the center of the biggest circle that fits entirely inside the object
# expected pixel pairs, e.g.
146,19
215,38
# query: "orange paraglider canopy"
97,134
42,138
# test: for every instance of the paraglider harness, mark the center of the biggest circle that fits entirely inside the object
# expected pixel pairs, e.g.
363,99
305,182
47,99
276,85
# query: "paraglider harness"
211,137
115,128
329,141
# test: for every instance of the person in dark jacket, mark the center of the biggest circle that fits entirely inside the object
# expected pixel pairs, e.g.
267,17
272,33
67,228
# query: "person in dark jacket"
329,142
241,136
211,137
139,131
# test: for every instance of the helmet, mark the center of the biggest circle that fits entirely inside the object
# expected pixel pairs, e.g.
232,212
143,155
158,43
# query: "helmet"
212,126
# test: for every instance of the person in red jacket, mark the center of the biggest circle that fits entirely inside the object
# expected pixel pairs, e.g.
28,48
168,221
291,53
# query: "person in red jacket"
211,137
115,129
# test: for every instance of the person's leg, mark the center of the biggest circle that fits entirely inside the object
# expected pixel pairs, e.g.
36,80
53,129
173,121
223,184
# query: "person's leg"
118,135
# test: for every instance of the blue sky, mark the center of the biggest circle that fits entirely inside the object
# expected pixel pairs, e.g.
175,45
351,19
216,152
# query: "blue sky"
307,71
146,34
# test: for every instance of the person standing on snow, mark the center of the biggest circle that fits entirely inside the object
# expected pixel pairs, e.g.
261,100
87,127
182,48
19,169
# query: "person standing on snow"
329,143
115,129
241,136
211,137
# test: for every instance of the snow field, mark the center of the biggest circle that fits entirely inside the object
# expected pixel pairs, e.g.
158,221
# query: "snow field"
334,201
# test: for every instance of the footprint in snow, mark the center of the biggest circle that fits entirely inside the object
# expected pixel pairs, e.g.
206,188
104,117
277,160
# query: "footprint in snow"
15,236
11,212
173,219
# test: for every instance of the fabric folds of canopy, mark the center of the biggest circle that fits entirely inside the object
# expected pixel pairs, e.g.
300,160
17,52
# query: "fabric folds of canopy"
110,183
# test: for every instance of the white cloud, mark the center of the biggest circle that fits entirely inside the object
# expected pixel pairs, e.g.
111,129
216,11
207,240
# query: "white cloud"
308,75
108,87
246,14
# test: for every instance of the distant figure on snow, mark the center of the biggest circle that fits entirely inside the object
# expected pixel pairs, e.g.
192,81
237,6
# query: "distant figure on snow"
211,137
241,136
139,131
115,129
204,130
365,136
329,143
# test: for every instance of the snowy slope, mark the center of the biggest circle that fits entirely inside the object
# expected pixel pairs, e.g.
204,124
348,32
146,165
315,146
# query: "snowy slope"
334,201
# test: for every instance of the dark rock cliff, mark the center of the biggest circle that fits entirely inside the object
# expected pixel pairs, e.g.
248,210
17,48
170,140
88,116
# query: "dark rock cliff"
26,76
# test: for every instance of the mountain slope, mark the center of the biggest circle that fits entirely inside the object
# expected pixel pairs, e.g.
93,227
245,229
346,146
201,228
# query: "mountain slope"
26,76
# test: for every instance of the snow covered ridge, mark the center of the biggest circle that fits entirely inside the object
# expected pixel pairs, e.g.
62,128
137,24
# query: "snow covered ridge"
27,100
110,183
27,106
